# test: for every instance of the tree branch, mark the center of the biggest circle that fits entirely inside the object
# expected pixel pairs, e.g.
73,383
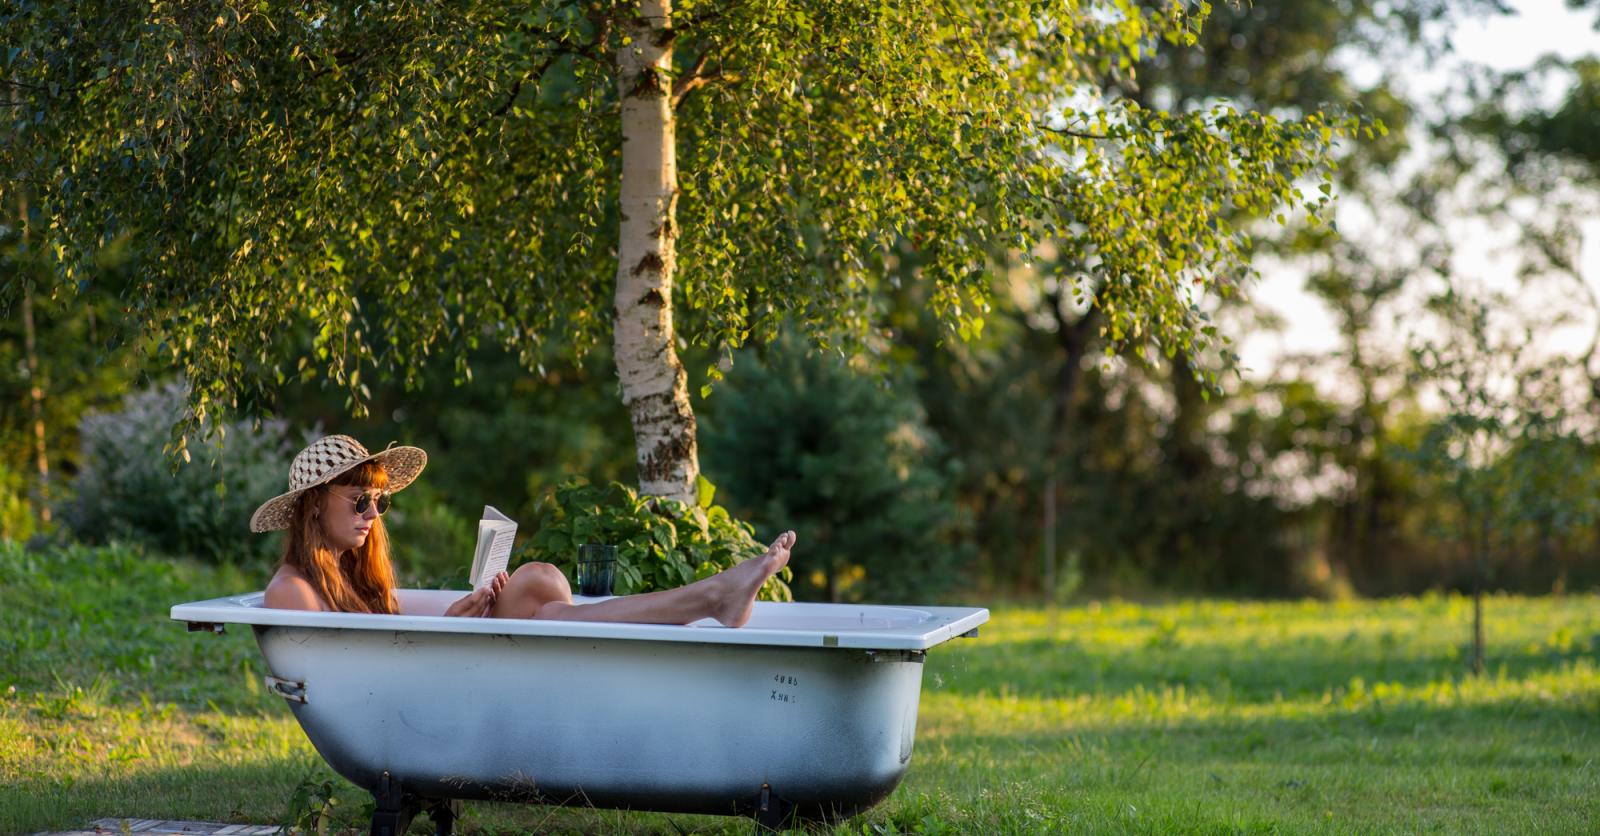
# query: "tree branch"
595,49
686,82
340,59
590,50
532,74
697,77
1073,133
72,90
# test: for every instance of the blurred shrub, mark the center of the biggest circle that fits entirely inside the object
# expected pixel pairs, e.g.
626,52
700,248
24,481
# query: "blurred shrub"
849,463
126,487
661,543
430,541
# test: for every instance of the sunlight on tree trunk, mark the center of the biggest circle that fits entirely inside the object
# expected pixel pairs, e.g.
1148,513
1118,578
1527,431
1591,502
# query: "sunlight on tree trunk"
654,385
35,390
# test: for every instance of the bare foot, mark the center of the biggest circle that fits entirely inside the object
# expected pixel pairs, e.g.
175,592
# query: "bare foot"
738,598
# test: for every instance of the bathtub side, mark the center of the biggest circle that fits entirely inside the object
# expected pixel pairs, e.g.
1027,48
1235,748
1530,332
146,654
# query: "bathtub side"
669,726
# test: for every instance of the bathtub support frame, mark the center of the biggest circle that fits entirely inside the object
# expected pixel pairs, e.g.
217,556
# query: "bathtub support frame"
393,809
773,814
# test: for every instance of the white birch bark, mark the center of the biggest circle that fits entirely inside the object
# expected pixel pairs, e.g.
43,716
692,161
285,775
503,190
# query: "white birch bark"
654,385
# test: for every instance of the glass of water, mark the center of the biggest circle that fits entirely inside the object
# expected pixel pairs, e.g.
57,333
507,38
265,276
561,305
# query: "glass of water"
597,568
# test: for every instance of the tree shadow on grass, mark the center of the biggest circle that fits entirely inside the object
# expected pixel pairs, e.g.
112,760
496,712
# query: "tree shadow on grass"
264,793
256,793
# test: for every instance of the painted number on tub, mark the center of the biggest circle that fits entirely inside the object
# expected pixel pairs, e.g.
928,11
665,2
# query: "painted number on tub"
780,693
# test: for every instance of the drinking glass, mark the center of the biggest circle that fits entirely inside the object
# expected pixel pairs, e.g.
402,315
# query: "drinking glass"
597,567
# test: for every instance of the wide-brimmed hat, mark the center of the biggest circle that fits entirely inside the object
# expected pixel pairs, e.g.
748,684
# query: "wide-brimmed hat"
322,462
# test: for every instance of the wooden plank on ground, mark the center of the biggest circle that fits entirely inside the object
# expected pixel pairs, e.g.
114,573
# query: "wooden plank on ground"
161,827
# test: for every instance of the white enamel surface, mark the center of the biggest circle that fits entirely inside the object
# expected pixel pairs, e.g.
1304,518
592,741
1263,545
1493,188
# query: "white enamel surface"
817,702
776,624
695,727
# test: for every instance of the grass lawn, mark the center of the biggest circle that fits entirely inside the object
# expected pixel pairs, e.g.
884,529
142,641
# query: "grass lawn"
1203,716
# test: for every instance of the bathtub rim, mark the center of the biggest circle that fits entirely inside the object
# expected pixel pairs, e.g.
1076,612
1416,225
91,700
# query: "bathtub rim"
941,625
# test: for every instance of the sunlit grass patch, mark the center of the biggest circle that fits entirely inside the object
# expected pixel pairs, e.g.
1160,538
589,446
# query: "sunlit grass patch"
1281,717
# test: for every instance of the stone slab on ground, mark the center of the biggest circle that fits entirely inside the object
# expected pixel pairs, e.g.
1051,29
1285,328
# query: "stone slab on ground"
161,827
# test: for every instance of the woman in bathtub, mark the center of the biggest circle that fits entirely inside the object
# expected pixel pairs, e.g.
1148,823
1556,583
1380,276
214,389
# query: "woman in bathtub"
336,556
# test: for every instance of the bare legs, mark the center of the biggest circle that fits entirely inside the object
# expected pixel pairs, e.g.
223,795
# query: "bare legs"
539,590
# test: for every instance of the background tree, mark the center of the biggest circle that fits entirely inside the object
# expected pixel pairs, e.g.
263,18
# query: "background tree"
1043,485
1505,442
61,354
410,180
1536,169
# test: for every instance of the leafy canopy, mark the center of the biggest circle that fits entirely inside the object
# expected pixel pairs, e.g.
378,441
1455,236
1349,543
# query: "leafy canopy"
396,180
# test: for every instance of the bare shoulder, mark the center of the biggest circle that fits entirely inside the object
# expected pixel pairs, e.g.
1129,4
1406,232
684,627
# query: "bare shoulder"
289,590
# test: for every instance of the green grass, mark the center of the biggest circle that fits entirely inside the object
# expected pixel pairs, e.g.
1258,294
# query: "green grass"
1205,716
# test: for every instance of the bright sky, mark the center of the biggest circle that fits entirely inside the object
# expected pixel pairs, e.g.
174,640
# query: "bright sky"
1506,42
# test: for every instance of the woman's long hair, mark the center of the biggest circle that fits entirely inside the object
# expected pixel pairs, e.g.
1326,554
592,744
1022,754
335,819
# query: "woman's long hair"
359,580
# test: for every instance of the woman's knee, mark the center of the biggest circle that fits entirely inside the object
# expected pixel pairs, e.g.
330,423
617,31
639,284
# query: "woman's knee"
541,582
533,588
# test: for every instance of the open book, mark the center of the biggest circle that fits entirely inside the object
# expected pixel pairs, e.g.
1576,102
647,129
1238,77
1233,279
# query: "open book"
495,533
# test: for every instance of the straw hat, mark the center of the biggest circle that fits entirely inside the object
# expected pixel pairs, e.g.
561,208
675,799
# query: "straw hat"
322,462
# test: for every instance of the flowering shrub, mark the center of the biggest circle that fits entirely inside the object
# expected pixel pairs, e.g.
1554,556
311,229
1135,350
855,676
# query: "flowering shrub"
127,488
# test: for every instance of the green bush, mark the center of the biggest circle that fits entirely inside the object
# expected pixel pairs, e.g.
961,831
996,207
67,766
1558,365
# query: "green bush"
430,541
661,543
126,487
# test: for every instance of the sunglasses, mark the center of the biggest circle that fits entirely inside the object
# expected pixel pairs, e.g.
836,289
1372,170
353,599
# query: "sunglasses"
365,501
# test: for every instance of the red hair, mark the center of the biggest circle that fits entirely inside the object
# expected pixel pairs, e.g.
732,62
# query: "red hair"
358,580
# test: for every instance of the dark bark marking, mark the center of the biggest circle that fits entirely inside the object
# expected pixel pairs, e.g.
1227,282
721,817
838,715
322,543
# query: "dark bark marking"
652,297
668,455
651,262
649,85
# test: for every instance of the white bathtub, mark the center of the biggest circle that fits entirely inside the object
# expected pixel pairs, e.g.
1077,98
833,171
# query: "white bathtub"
808,709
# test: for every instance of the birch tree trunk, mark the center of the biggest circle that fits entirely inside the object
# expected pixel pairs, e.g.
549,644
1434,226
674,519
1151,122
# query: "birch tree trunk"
36,405
654,385
35,387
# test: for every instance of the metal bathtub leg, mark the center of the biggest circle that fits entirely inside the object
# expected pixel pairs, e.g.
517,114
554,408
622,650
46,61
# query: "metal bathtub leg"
773,813
443,812
394,808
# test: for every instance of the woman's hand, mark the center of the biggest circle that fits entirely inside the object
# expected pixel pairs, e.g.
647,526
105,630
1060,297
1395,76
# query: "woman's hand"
479,602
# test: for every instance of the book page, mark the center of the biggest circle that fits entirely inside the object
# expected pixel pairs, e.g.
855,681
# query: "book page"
496,532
